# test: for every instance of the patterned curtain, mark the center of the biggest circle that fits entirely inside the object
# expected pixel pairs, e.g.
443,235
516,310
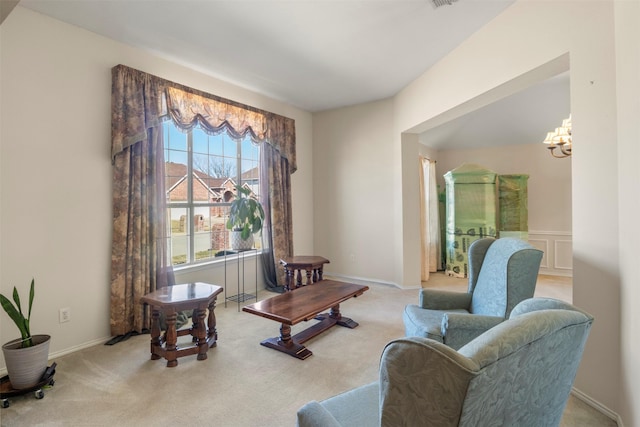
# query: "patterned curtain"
139,263
277,236
140,102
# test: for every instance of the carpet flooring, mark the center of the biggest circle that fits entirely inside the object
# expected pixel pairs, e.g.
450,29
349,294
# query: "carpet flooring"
241,383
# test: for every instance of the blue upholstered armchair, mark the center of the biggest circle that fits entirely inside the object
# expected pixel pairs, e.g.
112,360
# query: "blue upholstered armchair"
502,272
519,373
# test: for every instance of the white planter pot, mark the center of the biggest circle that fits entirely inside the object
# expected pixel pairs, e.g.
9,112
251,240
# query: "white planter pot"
237,243
26,366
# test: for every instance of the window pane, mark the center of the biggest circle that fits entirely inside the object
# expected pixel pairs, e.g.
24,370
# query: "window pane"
173,138
216,146
200,141
175,143
175,157
202,233
229,147
250,166
219,232
176,182
250,151
179,235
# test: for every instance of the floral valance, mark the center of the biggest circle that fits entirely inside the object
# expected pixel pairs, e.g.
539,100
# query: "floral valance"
189,109
134,91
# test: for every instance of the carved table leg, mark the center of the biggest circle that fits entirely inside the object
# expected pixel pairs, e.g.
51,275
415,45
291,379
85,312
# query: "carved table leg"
288,284
334,313
308,272
285,335
201,334
299,279
155,334
286,344
171,353
212,332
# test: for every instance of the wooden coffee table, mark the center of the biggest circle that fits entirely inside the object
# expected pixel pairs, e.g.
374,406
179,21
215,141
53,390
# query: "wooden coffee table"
305,303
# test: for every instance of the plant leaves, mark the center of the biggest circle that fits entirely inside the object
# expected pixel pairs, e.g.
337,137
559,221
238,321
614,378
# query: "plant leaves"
16,298
31,295
257,225
246,231
15,315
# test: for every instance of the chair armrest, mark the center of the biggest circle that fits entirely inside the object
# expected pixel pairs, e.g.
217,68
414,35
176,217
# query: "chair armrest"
459,328
313,414
423,381
514,334
541,303
434,299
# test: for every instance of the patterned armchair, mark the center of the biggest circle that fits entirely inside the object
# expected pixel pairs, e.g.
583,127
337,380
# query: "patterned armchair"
502,272
519,373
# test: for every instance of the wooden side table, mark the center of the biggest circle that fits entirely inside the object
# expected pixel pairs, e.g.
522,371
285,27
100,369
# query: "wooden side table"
312,265
170,300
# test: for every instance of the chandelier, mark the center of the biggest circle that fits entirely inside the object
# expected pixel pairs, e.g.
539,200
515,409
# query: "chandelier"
561,139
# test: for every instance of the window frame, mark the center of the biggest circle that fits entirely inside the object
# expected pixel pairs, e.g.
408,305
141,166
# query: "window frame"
191,206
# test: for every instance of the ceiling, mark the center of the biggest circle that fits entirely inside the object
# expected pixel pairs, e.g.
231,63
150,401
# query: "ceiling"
313,54
522,118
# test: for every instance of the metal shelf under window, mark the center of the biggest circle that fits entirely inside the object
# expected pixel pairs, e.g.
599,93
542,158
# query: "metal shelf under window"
241,258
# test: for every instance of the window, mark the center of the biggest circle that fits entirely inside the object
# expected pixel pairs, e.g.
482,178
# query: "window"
201,174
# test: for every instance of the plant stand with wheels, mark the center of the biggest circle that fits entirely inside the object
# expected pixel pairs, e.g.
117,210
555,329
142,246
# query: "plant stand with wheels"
7,390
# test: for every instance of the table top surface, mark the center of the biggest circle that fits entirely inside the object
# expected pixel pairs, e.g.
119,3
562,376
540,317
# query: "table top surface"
177,294
303,261
305,302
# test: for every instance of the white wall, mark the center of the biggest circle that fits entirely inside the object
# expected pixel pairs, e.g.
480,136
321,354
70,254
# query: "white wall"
509,47
353,192
55,176
627,15
508,54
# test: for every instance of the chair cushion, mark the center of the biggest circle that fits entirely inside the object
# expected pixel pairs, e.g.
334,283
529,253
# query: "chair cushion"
356,408
419,322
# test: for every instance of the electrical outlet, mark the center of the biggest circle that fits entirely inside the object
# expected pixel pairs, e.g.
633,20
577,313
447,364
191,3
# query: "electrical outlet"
65,315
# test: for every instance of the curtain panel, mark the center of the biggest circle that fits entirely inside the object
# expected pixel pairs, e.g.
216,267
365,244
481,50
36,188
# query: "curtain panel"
430,244
140,102
139,261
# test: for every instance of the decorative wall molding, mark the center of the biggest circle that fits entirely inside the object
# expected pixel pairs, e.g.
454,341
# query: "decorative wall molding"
558,251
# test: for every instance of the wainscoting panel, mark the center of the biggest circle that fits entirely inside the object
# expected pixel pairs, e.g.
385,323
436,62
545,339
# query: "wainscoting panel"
558,253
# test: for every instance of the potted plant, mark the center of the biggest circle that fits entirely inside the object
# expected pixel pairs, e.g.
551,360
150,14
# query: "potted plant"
26,357
245,219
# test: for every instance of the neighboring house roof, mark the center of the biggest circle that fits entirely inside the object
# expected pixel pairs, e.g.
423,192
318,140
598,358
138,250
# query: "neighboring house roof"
218,189
177,171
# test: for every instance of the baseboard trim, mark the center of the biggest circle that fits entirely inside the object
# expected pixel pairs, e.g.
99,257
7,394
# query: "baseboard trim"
52,356
360,280
597,406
